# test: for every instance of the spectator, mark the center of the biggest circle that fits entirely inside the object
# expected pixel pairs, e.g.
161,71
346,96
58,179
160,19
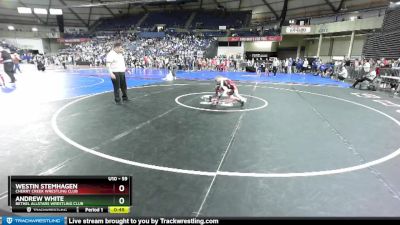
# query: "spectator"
275,64
305,66
16,60
366,67
342,73
289,67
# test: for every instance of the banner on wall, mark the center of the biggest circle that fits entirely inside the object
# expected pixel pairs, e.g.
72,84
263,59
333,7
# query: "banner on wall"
53,35
298,29
266,38
73,40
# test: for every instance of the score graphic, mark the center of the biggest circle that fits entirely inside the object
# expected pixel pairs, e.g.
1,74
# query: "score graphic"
77,194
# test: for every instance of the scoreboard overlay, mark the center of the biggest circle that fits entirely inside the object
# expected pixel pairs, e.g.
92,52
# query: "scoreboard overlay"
75,194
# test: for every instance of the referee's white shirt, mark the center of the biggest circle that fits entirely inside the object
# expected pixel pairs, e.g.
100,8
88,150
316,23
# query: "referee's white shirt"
117,62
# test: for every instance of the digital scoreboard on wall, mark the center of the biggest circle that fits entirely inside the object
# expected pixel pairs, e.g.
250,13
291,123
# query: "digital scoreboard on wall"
73,194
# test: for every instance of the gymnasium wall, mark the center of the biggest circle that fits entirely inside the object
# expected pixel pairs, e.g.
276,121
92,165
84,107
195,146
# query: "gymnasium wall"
230,50
335,46
260,46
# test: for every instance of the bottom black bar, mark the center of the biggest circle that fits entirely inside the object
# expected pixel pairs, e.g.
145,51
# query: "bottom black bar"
109,220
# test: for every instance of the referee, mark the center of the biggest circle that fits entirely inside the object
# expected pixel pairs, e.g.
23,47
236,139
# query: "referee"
116,68
5,56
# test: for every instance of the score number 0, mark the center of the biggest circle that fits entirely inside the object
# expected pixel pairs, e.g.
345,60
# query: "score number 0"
121,188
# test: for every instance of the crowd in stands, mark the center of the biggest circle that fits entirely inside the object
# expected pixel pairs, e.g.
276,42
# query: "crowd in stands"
184,50
172,19
187,52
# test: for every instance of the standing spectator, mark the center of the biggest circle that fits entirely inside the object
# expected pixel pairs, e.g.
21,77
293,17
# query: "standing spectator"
5,56
267,67
357,68
366,67
294,64
258,68
287,63
299,65
314,65
16,60
347,62
275,64
64,62
40,62
305,65
116,68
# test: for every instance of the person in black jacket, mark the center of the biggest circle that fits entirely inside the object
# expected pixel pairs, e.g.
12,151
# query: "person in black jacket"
8,64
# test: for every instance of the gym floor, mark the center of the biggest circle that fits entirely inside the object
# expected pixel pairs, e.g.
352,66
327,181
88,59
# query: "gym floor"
301,146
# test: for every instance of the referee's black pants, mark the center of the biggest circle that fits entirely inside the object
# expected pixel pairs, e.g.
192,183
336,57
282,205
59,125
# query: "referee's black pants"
119,83
9,69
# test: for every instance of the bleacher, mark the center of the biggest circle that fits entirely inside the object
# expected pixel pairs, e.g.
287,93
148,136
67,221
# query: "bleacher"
119,23
392,19
214,33
385,43
76,35
170,19
173,19
245,33
214,19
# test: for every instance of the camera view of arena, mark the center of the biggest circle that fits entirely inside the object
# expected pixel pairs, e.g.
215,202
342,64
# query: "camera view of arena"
199,111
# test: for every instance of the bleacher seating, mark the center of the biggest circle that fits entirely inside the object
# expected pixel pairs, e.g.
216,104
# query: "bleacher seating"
174,19
119,23
245,33
76,35
385,43
392,19
214,33
214,19
272,32
170,19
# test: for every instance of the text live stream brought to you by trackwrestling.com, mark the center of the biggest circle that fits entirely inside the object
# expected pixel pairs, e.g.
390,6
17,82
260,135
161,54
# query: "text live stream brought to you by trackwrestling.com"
54,220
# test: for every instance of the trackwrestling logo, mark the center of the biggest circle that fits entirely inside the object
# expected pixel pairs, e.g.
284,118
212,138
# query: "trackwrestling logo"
33,220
